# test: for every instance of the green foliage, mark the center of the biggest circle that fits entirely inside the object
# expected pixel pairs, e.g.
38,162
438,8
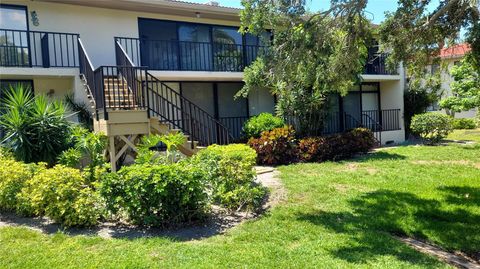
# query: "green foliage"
465,87
81,110
156,194
464,123
274,147
172,141
422,91
229,170
258,124
417,30
13,176
87,154
36,129
432,127
62,194
308,58
336,147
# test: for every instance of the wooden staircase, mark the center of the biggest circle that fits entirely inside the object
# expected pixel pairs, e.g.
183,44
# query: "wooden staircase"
128,102
117,93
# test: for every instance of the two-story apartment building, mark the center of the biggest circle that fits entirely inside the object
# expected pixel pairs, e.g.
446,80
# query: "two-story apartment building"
173,61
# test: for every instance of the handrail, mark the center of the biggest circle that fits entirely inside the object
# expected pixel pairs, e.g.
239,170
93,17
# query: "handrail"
88,72
164,102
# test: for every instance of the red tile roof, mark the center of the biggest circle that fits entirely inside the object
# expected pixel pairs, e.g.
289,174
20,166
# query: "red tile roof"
455,51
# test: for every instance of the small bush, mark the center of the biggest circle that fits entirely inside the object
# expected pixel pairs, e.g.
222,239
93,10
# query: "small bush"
464,124
156,194
432,127
13,176
261,123
336,147
230,172
62,194
275,147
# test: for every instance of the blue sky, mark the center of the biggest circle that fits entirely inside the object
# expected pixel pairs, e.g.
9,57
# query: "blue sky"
376,8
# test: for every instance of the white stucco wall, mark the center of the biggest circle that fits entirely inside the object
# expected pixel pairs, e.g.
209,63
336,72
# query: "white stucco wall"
97,26
391,97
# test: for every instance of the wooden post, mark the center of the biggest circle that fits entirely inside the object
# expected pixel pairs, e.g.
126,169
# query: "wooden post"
113,160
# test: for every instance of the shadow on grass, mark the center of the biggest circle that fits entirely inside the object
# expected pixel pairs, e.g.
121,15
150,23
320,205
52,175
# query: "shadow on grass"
447,221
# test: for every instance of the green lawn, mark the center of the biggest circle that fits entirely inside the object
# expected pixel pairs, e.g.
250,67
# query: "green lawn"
468,135
337,215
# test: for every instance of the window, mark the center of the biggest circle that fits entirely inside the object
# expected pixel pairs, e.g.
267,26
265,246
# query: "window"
13,17
14,47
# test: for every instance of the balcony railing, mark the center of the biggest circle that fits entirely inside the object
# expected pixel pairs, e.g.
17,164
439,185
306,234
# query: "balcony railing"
377,65
189,56
38,49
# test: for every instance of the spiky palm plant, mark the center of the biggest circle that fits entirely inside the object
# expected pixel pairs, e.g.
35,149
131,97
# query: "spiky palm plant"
36,129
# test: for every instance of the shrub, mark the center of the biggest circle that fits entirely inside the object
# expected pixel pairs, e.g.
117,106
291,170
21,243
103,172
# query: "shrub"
13,176
336,147
313,149
432,127
276,146
464,123
230,172
156,194
263,122
63,195
36,129
87,154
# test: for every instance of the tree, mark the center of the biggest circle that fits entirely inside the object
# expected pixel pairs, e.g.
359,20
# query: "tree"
465,87
311,56
415,35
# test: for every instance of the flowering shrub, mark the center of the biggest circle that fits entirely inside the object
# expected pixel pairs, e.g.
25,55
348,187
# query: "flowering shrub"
13,176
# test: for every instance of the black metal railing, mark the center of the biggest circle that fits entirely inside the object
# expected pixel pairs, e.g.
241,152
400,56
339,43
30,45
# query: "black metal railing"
20,48
234,125
189,56
180,113
170,106
389,119
87,73
377,65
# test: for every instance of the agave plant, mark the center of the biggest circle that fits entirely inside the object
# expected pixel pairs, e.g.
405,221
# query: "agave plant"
36,129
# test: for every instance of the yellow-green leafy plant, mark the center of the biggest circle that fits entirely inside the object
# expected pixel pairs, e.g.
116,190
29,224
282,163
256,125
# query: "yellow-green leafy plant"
13,176
61,194
229,170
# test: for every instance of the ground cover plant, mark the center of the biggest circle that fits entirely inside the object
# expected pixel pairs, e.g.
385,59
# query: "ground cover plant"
337,214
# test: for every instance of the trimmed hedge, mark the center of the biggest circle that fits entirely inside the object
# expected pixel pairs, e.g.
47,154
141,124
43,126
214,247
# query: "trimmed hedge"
13,176
156,194
231,175
62,194
432,126
464,123
336,147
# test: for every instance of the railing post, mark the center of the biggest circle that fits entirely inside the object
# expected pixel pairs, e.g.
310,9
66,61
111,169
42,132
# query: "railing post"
192,136
145,91
45,51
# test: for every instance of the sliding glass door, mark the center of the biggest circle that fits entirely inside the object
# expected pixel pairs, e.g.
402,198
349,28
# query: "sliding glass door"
14,39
